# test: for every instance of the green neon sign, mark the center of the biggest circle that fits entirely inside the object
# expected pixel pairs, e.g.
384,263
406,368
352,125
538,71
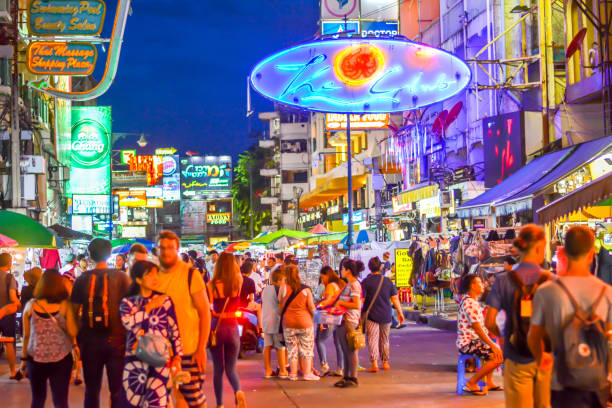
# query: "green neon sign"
90,160
126,155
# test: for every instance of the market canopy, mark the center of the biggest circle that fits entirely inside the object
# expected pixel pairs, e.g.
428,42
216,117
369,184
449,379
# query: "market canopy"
331,238
318,229
360,237
580,155
69,234
26,231
588,195
273,236
238,246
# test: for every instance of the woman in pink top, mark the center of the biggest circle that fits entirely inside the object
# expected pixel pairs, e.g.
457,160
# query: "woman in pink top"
297,306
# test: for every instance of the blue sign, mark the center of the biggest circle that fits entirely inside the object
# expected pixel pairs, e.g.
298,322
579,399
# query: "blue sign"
378,28
357,217
360,75
339,27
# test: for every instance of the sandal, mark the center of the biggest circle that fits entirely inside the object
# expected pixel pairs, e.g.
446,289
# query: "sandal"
474,392
496,388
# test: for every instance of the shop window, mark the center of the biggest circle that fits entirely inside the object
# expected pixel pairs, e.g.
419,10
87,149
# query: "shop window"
295,176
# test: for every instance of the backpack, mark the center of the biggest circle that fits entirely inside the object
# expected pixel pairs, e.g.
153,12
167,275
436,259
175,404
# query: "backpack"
522,310
97,304
581,355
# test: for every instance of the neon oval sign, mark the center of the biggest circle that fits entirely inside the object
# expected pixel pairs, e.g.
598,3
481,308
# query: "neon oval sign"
360,75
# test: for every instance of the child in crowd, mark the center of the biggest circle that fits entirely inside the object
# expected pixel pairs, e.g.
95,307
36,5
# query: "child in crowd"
271,320
145,311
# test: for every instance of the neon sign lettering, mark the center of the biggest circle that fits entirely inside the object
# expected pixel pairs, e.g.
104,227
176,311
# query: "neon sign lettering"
66,17
372,75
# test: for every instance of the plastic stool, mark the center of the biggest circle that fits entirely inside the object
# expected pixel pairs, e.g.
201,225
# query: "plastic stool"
461,371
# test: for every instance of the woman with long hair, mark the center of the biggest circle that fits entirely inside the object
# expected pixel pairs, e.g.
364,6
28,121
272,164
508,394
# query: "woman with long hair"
146,311
224,293
297,321
50,331
333,286
350,298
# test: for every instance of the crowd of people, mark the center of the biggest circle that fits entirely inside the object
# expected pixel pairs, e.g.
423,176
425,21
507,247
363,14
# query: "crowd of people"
136,321
565,318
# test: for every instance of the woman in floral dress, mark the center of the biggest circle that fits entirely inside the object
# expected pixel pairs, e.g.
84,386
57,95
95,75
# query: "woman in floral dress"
145,311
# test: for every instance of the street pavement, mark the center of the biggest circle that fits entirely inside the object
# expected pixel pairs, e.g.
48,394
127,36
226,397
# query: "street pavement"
423,374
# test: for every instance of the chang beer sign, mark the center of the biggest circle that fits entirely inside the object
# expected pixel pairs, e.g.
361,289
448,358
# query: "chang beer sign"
66,17
90,150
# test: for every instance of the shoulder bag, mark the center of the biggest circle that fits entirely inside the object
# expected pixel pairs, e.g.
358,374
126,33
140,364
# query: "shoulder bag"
212,339
356,338
76,355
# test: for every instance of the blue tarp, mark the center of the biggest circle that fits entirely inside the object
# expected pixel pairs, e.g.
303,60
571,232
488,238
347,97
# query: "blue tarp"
581,155
524,177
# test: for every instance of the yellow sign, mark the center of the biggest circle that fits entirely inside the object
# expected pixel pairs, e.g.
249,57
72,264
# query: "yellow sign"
218,218
216,240
165,151
403,268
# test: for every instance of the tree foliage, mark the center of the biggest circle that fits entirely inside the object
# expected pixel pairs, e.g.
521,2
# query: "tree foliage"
249,164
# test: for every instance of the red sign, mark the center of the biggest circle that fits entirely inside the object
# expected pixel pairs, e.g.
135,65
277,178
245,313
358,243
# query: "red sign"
153,165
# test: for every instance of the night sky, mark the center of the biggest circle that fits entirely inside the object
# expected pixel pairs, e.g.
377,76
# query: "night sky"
184,64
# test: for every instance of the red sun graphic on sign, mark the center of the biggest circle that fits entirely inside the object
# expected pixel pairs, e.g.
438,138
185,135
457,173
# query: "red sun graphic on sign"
357,65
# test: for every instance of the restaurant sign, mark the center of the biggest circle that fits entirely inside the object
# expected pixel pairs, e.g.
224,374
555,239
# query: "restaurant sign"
59,58
66,17
337,121
218,218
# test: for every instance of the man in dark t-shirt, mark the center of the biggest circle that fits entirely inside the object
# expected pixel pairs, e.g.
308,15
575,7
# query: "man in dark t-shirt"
101,336
379,316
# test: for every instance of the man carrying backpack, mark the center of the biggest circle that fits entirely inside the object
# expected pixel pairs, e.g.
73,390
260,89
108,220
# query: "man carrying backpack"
575,311
96,295
525,385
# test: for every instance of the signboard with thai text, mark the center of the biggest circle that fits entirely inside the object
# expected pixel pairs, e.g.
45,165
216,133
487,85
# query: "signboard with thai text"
66,17
153,165
61,58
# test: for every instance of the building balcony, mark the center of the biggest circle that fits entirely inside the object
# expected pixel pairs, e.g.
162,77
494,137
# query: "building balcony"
294,128
585,90
294,161
268,172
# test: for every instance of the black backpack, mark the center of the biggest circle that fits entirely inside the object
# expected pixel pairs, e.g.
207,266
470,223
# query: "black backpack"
522,310
96,310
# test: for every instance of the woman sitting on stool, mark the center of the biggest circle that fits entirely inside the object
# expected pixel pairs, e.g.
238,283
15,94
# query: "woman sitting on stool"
472,337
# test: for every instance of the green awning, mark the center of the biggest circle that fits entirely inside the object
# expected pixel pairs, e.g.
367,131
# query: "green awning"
273,236
26,231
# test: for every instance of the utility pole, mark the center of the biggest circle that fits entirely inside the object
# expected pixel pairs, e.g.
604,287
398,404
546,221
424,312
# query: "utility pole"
15,130
349,238
377,199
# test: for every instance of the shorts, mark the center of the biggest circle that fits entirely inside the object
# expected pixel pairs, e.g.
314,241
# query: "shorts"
8,326
193,391
478,349
274,340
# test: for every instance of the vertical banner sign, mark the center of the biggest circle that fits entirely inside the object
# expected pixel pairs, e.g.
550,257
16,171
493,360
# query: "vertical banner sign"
403,268
90,161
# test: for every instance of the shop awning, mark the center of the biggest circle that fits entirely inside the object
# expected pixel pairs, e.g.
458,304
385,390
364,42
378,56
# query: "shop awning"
273,236
331,238
579,156
525,176
402,201
26,231
588,195
329,190
69,234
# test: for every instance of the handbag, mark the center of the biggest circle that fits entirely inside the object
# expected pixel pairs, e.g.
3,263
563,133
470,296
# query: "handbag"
356,338
153,349
212,339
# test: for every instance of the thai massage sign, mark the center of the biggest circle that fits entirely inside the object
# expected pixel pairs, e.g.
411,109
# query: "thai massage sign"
360,75
66,17
58,58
